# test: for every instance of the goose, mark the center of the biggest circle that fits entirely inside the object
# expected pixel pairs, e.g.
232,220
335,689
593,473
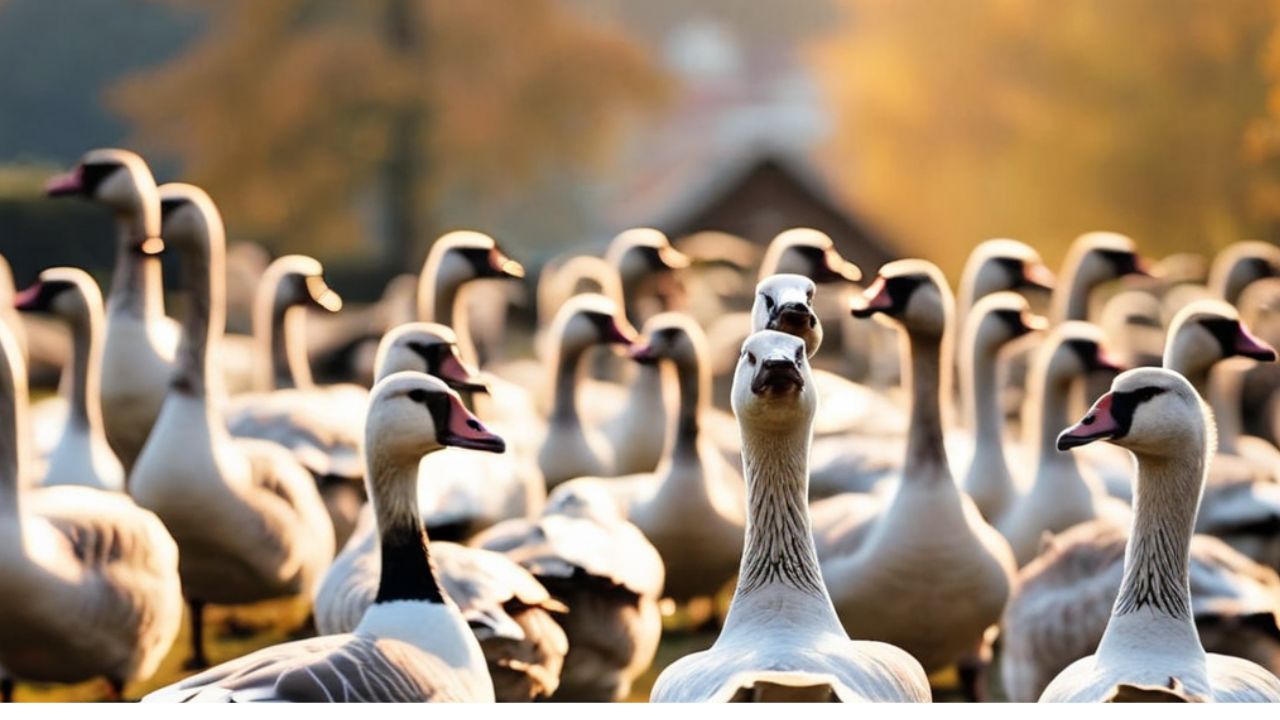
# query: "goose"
412,644
246,516
138,353
1064,598
609,577
1093,259
1151,638
642,257
1062,491
82,456
571,447
8,313
90,580
782,639
694,499
926,544
510,612
994,321
454,260
1239,264
996,265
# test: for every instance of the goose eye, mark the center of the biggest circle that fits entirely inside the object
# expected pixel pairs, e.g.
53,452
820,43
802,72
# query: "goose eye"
418,396
751,358
768,302
808,295
799,355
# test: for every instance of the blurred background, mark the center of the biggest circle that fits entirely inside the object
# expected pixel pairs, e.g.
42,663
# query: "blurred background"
358,132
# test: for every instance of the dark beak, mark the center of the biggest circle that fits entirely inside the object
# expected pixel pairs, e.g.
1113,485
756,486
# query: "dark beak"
777,376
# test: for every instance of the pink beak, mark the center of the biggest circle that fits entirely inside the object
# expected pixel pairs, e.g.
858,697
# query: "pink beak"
615,334
1250,346
27,299
1098,424
466,431
874,299
68,183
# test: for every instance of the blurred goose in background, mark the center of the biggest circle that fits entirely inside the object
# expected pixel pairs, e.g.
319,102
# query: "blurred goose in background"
949,572
246,516
646,264
694,499
137,357
1063,491
509,611
1151,646
782,640
412,643
1064,599
572,447
82,455
90,579
994,321
609,577
996,265
1240,264
8,313
1093,259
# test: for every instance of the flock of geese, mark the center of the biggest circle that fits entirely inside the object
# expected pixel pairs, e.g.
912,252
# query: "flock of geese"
479,528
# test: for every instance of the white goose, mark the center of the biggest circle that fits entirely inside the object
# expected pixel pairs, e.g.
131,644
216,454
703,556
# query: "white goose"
90,579
571,447
1093,259
694,499
608,575
1063,491
82,455
137,358
921,570
782,639
412,644
1150,645
1239,264
997,265
244,513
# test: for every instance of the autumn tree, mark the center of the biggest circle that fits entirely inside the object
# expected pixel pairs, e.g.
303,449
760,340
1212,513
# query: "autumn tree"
1041,120
311,121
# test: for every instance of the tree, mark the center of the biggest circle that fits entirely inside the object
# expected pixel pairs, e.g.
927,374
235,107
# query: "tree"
300,116
1042,120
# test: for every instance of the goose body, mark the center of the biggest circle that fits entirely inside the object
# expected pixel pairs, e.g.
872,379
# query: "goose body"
246,516
1151,639
412,644
82,455
91,580
138,354
782,637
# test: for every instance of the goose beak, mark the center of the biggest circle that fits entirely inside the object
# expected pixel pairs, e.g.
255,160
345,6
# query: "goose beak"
1102,360
614,332
777,377
1251,346
1141,266
835,268
458,376
793,318
68,183
873,300
150,247
1098,424
1037,275
465,431
322,295
31,299
1034,323
505,266
643,354
672,258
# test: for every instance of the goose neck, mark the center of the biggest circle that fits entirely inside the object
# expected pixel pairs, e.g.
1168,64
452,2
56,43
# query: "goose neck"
926,453
136,283
13,437
980,391
1225,391
84,380
407,570
1156,581
693,380
778,554
205,320
448,307
564,384
282,348
1050,400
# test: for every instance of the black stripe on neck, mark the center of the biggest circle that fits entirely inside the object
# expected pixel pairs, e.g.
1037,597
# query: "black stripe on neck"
407,573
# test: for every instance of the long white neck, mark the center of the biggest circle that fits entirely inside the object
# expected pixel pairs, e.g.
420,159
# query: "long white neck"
136,282
926,452
1225,390
988,479
693,378
84,384
778,556
1070,299
14,433
204,274
280,327
444,302
1154,604
566,368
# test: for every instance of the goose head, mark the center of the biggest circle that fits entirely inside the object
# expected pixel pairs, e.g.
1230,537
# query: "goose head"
299,281
1101,256
66,292
772,384
785,303
429,348
188,217
1151,411
670,336
1001,317
1239,264
120,180
1259,307
1207,331
638,252
589,319
809,252
464,255
913,293
412,414
1004,264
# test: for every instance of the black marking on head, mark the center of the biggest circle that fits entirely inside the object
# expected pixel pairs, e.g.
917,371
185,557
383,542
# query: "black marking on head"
1225,331
93,174
1125,262
170,205
1140,320
1012,320
1125,404
901,288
